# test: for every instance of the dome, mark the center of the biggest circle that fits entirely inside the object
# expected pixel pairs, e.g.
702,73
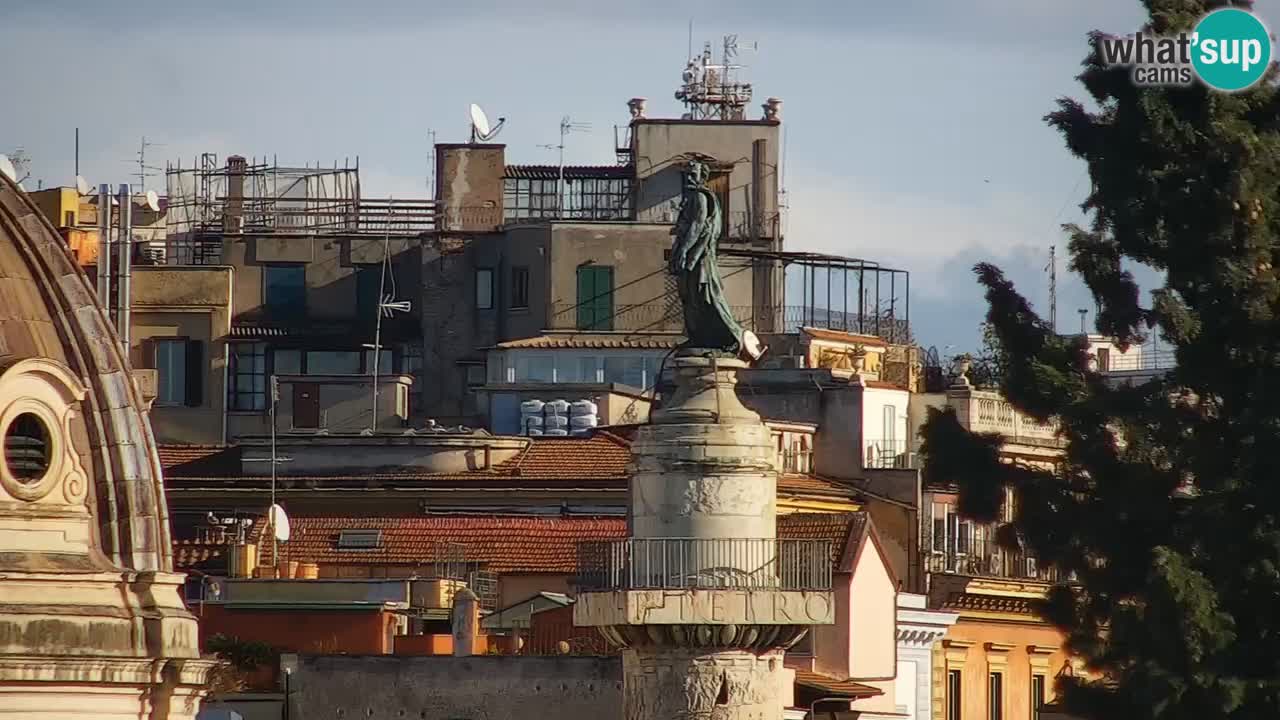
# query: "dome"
87,419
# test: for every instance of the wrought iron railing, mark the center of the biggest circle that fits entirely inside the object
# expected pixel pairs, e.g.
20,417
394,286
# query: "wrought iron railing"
702,563
795,461
984,558
664,315
887,453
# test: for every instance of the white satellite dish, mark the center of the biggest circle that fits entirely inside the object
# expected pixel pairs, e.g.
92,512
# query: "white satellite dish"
279,522
153,201
751,346
7,169
82,185
480,127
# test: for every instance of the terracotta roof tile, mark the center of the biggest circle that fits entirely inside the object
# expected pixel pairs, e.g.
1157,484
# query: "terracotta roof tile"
601,455
199,460
593,342
505,544
833,687
815,485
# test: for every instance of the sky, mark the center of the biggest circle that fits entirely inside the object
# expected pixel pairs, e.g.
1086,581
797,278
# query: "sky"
914,132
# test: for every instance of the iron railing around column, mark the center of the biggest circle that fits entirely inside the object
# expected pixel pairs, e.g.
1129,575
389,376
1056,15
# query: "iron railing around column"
704,563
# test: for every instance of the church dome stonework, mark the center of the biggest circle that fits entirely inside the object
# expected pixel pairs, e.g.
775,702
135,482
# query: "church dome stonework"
92,623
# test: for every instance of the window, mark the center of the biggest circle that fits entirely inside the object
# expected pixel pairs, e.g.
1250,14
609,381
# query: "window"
368,289
285,290
475,375
286,362
535,368
591,198
595,297
519,288
484,289
529,198
359,539
953,695
69,218
1037,695
995,696
247,389
334,362
385,362
1104,359
179,365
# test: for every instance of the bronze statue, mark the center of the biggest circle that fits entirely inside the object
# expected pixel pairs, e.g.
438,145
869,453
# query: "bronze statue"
708,322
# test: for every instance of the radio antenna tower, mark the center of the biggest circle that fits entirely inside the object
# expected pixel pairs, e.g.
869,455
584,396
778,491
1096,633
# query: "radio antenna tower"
710,90
144,170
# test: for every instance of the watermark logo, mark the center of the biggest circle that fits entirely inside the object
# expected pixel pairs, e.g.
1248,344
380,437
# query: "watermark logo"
1229,50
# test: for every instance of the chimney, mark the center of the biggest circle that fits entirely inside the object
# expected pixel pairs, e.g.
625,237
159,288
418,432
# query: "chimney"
466,622
233,209
773,109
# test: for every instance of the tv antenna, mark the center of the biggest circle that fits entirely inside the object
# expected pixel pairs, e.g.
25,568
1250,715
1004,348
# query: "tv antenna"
15,165
1052,269
144,170
387,307
567,126
481,130
711,90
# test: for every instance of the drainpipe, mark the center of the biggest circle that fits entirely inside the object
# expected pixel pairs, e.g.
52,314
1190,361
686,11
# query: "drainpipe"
124,244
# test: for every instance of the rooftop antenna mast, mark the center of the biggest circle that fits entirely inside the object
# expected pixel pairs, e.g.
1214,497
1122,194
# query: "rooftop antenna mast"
144,170
566,126
1052,268
387,305
710,90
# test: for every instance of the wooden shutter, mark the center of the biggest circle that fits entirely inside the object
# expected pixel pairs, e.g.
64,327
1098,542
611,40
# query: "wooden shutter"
148,359
595,298
195,373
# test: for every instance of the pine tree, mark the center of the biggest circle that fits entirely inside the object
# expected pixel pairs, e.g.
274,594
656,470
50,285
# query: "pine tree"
1176,604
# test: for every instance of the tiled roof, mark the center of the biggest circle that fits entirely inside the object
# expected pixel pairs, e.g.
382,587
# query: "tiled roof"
989,603
636,341
832,687
815,485
503,544
836,527
885,385
506,543
551,172
840,336
599,456
199,460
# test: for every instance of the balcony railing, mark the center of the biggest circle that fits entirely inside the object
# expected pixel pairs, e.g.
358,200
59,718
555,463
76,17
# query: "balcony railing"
981,411
890,453
983,558
795,461
706,564
666,316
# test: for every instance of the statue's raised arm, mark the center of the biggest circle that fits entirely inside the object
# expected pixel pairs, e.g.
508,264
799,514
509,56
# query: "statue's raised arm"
708,321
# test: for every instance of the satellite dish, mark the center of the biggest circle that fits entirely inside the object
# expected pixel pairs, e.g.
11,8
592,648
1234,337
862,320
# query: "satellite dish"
153,201
479,120
480,127
279,523
7,169
751,346
82,185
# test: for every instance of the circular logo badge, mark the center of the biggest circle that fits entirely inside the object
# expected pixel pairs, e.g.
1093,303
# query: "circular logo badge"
1232,49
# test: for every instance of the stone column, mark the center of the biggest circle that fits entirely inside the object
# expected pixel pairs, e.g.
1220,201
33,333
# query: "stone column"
702,598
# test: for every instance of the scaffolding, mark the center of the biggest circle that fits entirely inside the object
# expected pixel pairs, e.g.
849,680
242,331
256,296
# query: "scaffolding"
209,201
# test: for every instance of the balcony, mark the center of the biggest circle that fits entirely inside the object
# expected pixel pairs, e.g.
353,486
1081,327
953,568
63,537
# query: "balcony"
888,454
983,558
665,315
982,411
704,564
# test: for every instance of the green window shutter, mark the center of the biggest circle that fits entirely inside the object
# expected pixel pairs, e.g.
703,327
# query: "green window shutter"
595,298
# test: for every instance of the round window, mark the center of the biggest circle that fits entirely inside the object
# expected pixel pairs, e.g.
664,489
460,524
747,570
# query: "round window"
26,449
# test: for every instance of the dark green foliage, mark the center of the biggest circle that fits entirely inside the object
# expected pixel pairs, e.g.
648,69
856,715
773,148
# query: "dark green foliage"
1177,604
242,654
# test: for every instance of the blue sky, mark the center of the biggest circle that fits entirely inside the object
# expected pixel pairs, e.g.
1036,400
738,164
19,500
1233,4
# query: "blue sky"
913,129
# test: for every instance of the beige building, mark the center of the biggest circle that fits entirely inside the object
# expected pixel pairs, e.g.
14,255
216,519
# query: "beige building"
93,623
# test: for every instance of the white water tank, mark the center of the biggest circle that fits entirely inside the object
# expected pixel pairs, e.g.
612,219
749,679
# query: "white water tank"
583,407
579,422
558,432
557,407
533,432
555,421
532,407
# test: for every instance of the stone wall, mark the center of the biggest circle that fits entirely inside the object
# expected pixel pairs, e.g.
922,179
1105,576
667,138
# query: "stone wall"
447,688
